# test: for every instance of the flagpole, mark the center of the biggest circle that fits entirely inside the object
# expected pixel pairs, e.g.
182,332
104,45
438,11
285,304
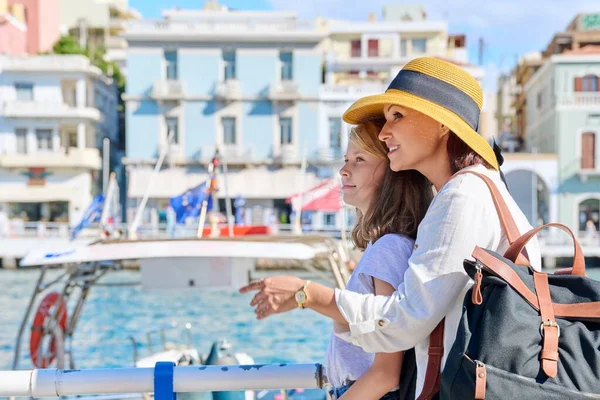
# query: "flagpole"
297,226
204,208
108,199
138,215
227,198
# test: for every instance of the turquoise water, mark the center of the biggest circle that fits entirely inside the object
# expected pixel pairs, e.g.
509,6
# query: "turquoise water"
111,314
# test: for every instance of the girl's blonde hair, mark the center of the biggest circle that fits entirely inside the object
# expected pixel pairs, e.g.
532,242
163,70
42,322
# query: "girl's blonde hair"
401,199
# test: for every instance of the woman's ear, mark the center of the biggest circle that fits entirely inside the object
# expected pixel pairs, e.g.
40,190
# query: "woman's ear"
444,129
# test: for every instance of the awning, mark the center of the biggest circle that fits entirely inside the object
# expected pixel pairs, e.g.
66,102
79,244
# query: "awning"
324,197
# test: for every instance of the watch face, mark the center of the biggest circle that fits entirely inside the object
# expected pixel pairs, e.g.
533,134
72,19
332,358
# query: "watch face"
300,296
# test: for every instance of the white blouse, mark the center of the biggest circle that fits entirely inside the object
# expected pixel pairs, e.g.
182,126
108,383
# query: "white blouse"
461,216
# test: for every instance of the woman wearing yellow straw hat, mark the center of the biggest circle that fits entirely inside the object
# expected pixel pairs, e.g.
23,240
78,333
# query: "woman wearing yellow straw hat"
431,112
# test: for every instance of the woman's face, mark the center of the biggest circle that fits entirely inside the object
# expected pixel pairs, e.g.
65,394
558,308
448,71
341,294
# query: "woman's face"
361,175
412,138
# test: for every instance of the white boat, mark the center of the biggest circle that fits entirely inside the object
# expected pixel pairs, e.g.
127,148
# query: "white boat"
164,265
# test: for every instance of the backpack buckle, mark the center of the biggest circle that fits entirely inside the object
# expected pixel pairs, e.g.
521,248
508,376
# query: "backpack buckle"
549,323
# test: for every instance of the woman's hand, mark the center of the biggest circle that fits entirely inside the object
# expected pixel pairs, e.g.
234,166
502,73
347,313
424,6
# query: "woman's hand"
275,295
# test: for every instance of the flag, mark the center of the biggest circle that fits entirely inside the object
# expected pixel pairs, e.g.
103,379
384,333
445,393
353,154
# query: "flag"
91,215
189,203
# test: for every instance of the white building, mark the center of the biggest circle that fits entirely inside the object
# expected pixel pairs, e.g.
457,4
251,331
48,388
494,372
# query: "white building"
54,113
361,58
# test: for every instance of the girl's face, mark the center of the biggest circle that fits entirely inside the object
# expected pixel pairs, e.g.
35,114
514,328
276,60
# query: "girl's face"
361,175
413,138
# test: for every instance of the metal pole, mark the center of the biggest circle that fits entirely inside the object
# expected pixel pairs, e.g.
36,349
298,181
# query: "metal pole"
204,208
227,198
297,222
26,317
105,163
138,215
56,383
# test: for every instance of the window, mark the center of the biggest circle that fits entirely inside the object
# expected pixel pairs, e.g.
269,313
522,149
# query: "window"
44,139
540,98
21,136
587,83
173,125
373,48
589,210
286,58
355,48
229,64
335,133
419,46
329,219
229,134
285,130
171,64
24,91
403,48
588,150
590,83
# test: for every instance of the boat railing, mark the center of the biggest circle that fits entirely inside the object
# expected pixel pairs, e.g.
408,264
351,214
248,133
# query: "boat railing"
163,380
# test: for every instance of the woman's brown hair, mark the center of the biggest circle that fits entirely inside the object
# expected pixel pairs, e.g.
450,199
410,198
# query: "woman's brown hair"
401,199
462,156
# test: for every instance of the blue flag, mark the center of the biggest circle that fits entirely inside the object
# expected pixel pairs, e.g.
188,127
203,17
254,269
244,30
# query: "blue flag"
92,214
189,203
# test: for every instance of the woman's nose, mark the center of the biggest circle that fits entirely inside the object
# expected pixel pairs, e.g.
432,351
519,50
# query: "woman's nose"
385,133
344,171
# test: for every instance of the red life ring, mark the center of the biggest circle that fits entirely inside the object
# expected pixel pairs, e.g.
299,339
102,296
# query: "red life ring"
45,311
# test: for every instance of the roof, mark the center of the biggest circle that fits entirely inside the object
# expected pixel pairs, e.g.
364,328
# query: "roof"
585,50
106,251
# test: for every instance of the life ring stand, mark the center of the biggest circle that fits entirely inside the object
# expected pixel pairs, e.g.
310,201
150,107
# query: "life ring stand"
44,327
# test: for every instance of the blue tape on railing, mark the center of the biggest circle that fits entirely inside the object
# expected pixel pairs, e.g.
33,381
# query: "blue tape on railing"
163,381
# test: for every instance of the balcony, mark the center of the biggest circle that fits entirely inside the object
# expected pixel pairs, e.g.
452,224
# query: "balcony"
287,154
50,63
284,91
229,90
225,29
71,157
167,89
350,92
116,43
578,99
47,109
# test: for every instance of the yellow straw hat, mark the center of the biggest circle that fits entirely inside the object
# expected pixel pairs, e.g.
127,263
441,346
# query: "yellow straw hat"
439,89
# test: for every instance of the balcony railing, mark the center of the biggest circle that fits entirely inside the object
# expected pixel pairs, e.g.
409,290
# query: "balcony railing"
168,89
229,89
49,63
284,90
72,157
224,25
350,92
578,99
47,109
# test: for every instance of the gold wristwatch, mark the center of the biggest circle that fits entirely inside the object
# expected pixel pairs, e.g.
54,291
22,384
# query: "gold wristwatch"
301,295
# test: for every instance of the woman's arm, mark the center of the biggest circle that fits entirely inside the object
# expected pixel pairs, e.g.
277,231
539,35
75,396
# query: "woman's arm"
384,374
277,295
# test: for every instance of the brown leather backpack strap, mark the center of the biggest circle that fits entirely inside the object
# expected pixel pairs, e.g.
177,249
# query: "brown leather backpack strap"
506,219
504,215
431,385
549,328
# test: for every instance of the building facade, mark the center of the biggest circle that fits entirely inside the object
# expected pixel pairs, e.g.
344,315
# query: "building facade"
265,88
244,82
54,113
563,117
28,26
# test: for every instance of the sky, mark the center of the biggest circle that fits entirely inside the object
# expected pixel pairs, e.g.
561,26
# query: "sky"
509,28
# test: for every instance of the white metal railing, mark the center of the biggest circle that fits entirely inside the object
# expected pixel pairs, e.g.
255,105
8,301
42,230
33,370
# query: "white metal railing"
168,88
219,25
60,63
578,99
353,90
50,109
205,378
